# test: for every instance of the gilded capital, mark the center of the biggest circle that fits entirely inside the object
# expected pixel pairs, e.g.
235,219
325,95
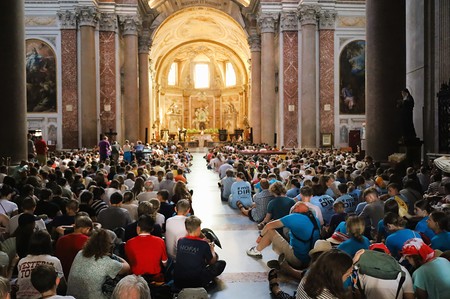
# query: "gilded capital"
267,22
67,19
308,14
87,16
144,42
327,19
254,40
130,24
289,21
108,22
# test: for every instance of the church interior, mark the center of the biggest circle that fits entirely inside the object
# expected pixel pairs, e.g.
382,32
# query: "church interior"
306,74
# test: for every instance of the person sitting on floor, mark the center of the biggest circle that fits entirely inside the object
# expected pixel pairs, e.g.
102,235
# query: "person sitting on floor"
304,231
197,263
45,280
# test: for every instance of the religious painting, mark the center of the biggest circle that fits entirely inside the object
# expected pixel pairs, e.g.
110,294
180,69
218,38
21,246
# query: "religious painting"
40,77
352,72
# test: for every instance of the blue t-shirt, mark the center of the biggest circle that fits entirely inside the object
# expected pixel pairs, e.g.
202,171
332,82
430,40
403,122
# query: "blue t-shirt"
192,257
434,278
395,241
241,191
441,241
348,201
360,207
351,246
279,207
293,192
325,203
422,227
300,226
342,227
381,229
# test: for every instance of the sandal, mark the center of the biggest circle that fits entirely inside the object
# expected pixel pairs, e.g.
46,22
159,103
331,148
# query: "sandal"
239,205
273,280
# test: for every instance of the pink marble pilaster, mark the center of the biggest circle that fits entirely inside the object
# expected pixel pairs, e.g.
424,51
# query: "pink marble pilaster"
326,81
69,88
108,93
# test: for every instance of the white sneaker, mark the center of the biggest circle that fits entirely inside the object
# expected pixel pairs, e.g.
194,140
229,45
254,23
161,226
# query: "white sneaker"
254,252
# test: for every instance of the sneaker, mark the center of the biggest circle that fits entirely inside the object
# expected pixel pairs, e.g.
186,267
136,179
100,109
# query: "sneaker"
273,264
254,252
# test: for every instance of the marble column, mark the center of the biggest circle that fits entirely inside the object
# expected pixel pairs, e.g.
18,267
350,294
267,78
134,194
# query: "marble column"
130,77
268,96
385,75
87,21
308,19
255,103
108,73
289,29
326,71
13,124
69,79
144,90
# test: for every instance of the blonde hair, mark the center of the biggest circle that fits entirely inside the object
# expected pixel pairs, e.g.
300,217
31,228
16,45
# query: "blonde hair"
356,227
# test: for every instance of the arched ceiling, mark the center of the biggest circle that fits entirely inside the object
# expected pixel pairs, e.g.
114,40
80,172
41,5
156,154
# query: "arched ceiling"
199,24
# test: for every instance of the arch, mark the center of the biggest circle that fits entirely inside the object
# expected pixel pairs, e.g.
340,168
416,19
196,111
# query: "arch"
181,38
41,76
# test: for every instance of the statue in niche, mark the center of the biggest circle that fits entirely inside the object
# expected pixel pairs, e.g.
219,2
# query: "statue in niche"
217,82
174,109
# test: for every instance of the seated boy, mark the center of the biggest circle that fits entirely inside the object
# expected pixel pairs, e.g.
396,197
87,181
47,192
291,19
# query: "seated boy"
197,263
45,280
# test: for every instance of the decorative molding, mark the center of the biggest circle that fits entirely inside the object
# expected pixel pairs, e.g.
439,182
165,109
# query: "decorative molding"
130,24
87,16
289,21
267,22
343,40
346,21
108,22
327,19
40,21
308,14
144,42
254,41
67,19
52,40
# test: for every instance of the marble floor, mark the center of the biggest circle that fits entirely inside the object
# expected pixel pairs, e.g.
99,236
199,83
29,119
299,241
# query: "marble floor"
244,276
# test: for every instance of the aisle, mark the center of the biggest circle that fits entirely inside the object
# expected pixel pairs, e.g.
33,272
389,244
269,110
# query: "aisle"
244,277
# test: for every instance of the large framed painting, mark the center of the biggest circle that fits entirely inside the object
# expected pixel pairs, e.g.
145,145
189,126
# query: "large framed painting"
352,72
41,77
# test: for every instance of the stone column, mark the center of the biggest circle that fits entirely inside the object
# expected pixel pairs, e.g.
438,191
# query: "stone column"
255,104
69,79
326,71
385,75
108,73
144,91
289,29
13,124
130,77
308,20
268,96
87,20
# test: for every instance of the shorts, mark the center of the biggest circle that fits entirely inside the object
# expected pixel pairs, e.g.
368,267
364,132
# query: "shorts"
280,245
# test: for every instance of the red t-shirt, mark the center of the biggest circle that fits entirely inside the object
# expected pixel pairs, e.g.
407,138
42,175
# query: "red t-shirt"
67,248
145,253
41,147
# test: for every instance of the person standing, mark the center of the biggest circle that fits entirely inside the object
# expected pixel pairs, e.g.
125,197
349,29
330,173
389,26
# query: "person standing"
104,148
407,106
41,150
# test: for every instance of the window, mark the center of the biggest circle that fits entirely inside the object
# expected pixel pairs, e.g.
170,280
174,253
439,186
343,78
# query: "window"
230,79
201,75
172,78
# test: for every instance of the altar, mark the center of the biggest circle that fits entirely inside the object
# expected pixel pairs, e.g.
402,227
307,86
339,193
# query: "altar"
201,138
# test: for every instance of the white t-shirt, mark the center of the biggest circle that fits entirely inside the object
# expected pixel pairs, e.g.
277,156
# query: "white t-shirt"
25,266
376,288
175,229
146,196
7,207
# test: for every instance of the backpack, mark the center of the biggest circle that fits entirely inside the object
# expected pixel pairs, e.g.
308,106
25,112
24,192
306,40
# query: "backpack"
379,265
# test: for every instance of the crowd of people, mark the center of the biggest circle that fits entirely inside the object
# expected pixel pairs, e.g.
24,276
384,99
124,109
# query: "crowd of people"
323,210
104,223
93,224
